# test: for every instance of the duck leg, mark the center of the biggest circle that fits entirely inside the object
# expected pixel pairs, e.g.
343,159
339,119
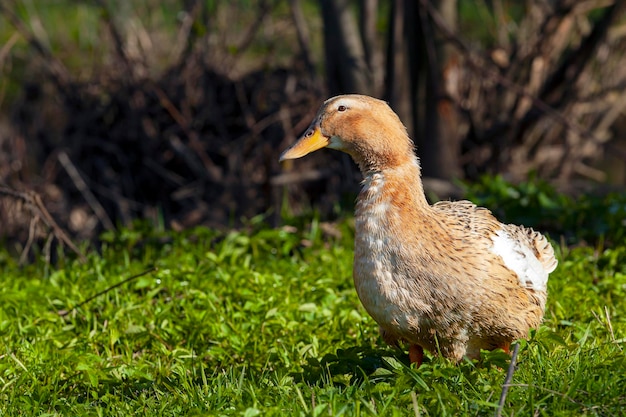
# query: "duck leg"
416,355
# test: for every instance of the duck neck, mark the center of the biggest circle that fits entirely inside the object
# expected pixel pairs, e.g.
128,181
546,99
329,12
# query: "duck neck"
398,186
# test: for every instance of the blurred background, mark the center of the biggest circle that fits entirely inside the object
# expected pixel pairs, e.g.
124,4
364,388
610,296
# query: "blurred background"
175,111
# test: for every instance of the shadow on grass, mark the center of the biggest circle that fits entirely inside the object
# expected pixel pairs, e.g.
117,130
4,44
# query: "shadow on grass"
355,364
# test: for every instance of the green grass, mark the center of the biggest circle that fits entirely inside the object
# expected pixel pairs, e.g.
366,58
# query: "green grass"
266,322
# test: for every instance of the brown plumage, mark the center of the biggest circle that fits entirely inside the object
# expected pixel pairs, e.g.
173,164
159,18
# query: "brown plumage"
448,277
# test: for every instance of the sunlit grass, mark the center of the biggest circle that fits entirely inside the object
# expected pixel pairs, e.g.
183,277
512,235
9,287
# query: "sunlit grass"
266,322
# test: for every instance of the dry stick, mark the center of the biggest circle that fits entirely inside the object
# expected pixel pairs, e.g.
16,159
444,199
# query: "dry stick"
111,288
270,119
31,237
81,185
609,325
251,123
211,170
39,209
507,380
183,44
47,247
58,232
248,115
4,51
187,154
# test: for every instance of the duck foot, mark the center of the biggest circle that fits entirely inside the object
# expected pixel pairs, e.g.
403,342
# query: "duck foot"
416,355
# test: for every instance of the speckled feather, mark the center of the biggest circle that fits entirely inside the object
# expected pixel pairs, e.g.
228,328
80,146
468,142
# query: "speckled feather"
449,277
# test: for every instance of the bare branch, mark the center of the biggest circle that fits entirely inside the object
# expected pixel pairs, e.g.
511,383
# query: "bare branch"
38,209
82,186
508,379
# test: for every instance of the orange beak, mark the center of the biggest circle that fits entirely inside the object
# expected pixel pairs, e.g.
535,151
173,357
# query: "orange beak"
311,141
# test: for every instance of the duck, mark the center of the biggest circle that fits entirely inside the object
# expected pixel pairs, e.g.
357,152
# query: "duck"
449,277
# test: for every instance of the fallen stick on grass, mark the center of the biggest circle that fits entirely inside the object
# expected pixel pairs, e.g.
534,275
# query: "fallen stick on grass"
507,380
112,287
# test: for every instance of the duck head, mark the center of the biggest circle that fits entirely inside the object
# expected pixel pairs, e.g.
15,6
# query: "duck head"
361,126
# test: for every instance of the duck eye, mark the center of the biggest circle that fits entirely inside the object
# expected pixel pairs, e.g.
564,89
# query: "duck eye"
342,108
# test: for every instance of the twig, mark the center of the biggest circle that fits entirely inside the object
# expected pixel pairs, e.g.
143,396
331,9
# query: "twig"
47,247
193,162
33,200
248,116
161,171
507,380
210,171
31,237
111,288
608,324
185,39
81,185
6,48
262,124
